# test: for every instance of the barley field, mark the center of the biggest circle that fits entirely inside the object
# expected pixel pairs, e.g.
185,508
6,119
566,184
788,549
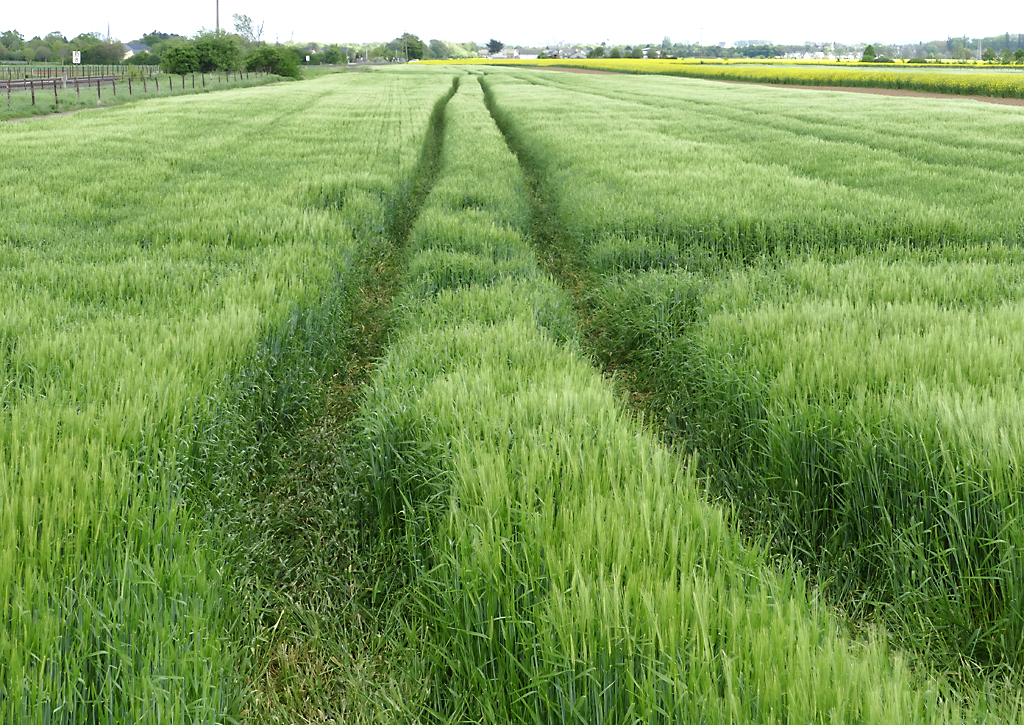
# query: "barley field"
464,394
994,81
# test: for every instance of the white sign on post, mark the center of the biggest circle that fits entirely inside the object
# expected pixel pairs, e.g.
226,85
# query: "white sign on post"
307,58
76,57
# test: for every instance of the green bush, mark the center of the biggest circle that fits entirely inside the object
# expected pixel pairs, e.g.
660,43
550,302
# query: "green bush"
218,52
143,58
272,59
180,59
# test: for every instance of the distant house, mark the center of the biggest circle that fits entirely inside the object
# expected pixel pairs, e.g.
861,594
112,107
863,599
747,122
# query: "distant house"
529,53
131,49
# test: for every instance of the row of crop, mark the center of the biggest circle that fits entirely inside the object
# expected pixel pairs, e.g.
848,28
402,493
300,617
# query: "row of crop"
873,407
964,84
567,568
165,308
862,406
743,171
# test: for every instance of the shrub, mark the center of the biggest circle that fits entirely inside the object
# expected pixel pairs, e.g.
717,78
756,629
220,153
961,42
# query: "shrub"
180,59
274,60
218,52
143,58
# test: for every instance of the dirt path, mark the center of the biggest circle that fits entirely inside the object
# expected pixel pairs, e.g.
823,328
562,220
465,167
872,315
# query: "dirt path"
844,89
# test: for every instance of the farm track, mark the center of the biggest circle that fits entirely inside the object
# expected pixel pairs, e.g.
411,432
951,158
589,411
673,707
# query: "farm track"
562,257
321,640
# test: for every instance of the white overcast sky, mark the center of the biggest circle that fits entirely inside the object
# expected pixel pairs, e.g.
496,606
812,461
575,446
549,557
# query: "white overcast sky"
531,22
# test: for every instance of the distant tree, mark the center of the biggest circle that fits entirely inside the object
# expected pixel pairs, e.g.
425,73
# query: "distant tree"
596,52
151,39
273,59
494,46
217,51
437,49
180,59
637,52
11,39
869,54
103,52
1006,56
43,53
615,52
989,55
247,30
1018,56
334,55
143,58
412,46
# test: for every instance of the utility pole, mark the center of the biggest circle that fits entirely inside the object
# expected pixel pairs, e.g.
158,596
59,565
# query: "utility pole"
218,17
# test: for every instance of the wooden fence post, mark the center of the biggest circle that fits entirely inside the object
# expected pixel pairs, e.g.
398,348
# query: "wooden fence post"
113,82
78,91
56,101
32,87
129,85
98,99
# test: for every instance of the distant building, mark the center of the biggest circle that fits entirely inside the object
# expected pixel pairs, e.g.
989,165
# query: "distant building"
131,49
529,53
745,43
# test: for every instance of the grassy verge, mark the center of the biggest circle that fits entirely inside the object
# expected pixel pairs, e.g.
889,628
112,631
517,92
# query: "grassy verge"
69,101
